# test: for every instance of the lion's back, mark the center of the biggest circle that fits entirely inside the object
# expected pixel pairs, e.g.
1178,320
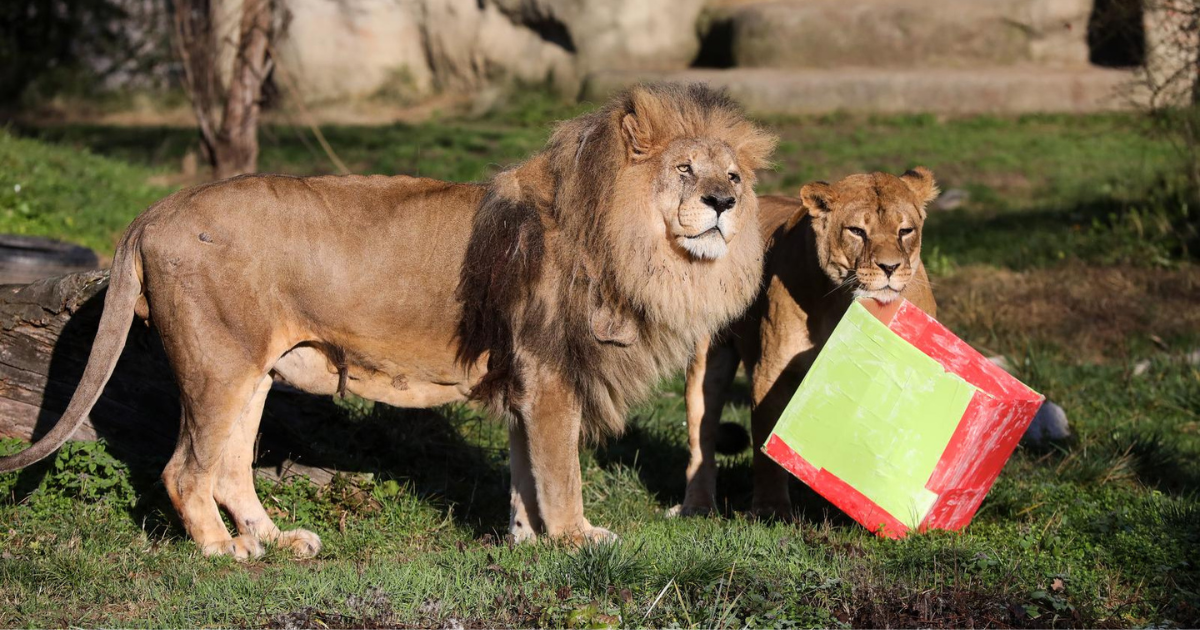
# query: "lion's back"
365,244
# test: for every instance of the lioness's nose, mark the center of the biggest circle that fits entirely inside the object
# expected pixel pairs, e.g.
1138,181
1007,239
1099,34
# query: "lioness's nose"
720,203
888,269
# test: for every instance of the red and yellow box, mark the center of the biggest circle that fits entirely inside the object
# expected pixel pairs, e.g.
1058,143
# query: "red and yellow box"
901,424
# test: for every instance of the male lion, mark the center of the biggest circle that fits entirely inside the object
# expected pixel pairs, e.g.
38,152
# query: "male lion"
860,237
557,294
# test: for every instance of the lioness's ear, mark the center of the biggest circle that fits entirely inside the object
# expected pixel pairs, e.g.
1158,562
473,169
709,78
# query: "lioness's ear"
920,181
637,135
817,198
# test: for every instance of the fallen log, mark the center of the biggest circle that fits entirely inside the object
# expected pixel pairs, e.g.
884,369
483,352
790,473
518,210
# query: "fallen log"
46,333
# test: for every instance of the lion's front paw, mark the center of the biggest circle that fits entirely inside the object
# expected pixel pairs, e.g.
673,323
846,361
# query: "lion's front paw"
239,547
689,510
523,535
589,535
302,542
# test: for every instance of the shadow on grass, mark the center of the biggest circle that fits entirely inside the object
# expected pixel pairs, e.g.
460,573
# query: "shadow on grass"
661,465
1102,230
138,417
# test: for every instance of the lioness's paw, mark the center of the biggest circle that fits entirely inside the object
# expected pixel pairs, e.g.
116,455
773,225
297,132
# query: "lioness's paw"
239,547
302,542
772,511
689,510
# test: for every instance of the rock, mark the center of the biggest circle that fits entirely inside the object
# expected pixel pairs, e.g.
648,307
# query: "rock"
1141,367
24,259
341,49
951,199
470,43
908,33
1050,423
1001,362
993,90
354,49
635,34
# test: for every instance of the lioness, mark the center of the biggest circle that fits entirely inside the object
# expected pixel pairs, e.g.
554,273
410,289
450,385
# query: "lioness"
557,294
859,237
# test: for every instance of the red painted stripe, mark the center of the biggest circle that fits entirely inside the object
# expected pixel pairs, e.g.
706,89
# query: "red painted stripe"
955,355
855,504
790,460
858,506
985,439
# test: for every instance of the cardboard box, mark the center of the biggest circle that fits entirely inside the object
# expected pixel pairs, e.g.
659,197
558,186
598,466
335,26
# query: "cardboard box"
901,424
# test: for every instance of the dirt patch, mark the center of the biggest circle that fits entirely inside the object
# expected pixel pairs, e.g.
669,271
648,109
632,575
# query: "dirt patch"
1092,312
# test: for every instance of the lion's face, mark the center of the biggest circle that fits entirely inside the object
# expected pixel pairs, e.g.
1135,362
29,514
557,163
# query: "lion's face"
868,229
698,189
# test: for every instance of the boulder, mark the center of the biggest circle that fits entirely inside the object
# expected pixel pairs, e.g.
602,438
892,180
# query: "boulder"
625,34
470,44
353,49
958,91
342,49
906,33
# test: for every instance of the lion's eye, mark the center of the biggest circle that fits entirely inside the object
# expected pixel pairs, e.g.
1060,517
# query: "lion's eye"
905,232
686,169
735,178
857,231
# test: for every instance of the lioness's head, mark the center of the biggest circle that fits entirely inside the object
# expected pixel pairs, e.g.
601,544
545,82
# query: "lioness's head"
868,229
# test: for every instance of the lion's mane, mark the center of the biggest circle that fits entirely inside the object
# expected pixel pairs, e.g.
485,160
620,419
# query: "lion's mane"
559,251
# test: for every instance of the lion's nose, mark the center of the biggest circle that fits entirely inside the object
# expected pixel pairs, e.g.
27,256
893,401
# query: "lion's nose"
888,270
720,203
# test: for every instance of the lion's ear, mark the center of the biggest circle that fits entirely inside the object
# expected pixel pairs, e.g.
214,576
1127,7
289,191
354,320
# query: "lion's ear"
609,323
920,181
638,136
610,326
817,198
755,147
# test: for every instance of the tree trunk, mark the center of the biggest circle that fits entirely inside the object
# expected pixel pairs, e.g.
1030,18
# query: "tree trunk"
225,69
236,147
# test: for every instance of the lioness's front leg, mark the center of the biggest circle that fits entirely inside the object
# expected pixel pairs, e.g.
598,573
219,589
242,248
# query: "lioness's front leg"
552,425
772,388
712,370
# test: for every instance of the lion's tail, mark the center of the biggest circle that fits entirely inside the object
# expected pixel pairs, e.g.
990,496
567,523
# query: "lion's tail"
124,288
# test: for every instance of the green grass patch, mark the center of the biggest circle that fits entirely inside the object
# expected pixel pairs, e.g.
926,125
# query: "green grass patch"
70,193
1099,530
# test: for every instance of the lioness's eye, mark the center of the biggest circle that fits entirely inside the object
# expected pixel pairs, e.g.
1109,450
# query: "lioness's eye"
905,232
735,178
857,231
684,168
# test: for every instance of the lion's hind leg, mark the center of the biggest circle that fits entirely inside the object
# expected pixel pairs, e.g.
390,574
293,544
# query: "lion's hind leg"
234,489
212,405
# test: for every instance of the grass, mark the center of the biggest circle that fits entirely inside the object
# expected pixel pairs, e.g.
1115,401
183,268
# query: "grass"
1061,259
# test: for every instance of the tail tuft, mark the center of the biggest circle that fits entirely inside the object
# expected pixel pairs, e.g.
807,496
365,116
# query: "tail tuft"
732,438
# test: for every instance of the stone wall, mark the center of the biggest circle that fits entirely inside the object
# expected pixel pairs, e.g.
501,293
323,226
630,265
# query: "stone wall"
354,49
